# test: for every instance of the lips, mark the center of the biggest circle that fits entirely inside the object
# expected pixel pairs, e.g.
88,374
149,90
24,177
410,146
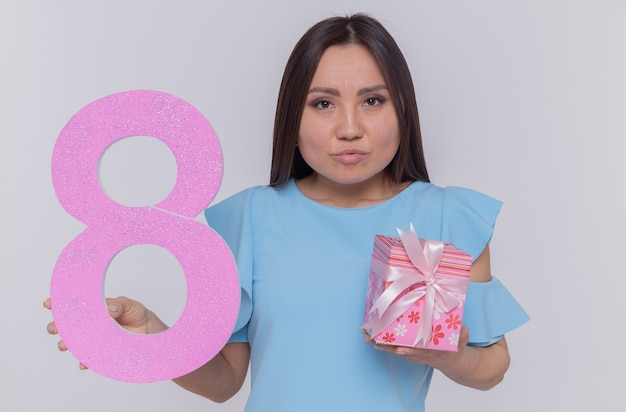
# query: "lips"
349,156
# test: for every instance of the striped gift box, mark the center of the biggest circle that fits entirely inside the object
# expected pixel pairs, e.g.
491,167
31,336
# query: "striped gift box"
403,329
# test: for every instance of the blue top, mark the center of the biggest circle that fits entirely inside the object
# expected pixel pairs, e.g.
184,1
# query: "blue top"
304,270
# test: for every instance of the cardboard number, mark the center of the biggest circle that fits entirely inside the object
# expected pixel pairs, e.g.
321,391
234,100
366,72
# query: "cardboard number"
76,291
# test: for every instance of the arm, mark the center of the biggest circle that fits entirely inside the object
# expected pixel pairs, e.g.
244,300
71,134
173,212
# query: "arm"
473,366
218,380
221,377
477,367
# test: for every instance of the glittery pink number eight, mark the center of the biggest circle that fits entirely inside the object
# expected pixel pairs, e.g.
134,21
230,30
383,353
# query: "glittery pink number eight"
77,282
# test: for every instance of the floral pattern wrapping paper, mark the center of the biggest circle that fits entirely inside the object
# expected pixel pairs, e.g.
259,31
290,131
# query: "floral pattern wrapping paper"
440,293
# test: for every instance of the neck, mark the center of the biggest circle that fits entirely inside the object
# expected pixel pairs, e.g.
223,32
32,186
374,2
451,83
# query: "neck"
368,193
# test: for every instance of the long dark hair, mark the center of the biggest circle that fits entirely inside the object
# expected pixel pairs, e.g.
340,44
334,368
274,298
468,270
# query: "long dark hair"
287,162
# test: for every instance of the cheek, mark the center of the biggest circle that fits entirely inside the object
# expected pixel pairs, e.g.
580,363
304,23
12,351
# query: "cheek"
311,134
309,152
389,148
305,131
390,138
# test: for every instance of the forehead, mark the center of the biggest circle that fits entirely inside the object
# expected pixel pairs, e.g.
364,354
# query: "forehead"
351,62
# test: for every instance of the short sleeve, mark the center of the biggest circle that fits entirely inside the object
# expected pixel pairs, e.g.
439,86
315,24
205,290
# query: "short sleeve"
490,312
468,218
231,218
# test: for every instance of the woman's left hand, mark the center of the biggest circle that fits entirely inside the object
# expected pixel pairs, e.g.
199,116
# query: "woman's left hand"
477,367
431,357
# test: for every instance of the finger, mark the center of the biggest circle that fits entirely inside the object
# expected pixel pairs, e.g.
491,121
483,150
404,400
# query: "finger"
127,312
463,336
47,304
400,350
114,310
117,306
120,305
82,367
52,328
386,348
61,346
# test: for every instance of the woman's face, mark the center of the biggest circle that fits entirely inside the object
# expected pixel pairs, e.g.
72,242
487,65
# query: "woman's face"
349,130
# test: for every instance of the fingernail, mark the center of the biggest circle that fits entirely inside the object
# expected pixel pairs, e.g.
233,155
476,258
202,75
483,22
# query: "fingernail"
114,308
50,329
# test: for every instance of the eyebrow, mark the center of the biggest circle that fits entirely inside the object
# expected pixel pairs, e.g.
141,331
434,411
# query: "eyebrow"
361,92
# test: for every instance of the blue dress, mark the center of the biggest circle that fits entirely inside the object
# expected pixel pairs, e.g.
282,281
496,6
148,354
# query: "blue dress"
304,269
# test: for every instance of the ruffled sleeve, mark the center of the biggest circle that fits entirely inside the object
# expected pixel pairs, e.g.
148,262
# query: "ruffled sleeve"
468,218
467,222
490,312
231,218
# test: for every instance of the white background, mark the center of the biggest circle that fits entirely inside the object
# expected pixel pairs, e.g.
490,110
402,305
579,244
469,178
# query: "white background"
524,100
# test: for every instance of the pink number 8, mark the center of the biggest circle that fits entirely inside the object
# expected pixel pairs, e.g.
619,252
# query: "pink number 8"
210,271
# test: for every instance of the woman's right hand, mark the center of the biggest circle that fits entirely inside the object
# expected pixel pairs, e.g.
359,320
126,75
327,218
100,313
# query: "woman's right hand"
129,314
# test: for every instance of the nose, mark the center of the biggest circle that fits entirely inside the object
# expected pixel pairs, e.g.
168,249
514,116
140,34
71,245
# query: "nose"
349,124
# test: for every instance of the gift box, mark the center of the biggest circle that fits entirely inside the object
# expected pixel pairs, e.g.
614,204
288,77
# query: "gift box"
416,292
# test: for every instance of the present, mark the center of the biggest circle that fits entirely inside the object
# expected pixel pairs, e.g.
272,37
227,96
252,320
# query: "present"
416,292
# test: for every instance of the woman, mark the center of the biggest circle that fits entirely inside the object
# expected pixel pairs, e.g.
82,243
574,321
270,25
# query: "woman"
347,165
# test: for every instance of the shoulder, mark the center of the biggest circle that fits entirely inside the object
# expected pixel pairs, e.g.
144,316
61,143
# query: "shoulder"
244,197
464,217
257,201
468,218
469,210
452,195
233,207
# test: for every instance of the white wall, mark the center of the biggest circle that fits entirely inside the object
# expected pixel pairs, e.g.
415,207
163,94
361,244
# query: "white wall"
522,100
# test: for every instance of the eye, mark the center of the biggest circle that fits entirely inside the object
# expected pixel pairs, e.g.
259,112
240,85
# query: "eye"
322,104
374,101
